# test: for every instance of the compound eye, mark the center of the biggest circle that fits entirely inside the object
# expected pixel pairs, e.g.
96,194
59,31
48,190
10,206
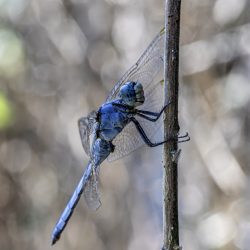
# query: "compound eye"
138,88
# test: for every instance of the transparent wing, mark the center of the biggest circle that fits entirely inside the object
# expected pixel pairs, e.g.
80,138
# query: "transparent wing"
86,128
91,191
145,68
149,72
129,139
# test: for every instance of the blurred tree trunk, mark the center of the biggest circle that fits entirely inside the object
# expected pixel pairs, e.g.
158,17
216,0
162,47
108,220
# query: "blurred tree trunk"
171,125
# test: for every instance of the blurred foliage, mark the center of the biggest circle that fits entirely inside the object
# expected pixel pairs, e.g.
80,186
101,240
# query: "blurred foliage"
11,55
5,112
58,60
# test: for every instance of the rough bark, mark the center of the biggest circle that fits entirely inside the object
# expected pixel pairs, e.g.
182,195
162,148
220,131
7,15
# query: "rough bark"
171,126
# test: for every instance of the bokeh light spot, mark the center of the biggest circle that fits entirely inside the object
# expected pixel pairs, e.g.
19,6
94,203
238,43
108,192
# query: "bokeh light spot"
226,11
15,155
216,230
11,53
5,112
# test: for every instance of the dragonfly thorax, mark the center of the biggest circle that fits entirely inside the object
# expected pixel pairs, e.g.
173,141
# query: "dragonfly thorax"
132,94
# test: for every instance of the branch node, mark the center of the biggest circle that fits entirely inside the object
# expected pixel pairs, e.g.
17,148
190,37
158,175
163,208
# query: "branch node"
176,155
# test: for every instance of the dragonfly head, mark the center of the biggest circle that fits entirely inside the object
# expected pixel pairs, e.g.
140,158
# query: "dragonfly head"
132,94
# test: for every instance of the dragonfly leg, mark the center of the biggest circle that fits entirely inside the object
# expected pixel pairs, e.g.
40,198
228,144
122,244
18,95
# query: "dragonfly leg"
146,114
183,138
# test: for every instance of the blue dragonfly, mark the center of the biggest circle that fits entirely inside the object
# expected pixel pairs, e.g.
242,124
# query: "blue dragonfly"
118,127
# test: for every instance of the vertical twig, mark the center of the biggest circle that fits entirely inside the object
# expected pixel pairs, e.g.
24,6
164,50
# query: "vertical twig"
171,125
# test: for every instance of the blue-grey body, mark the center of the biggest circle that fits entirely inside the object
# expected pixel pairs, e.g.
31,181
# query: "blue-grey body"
112,120
118,127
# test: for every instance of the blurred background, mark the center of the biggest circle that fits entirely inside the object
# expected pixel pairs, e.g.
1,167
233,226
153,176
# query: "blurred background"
58,61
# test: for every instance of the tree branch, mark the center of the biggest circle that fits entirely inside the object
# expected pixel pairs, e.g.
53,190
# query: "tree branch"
171,126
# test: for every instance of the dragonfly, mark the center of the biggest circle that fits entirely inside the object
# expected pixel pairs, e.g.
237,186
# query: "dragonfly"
118,127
